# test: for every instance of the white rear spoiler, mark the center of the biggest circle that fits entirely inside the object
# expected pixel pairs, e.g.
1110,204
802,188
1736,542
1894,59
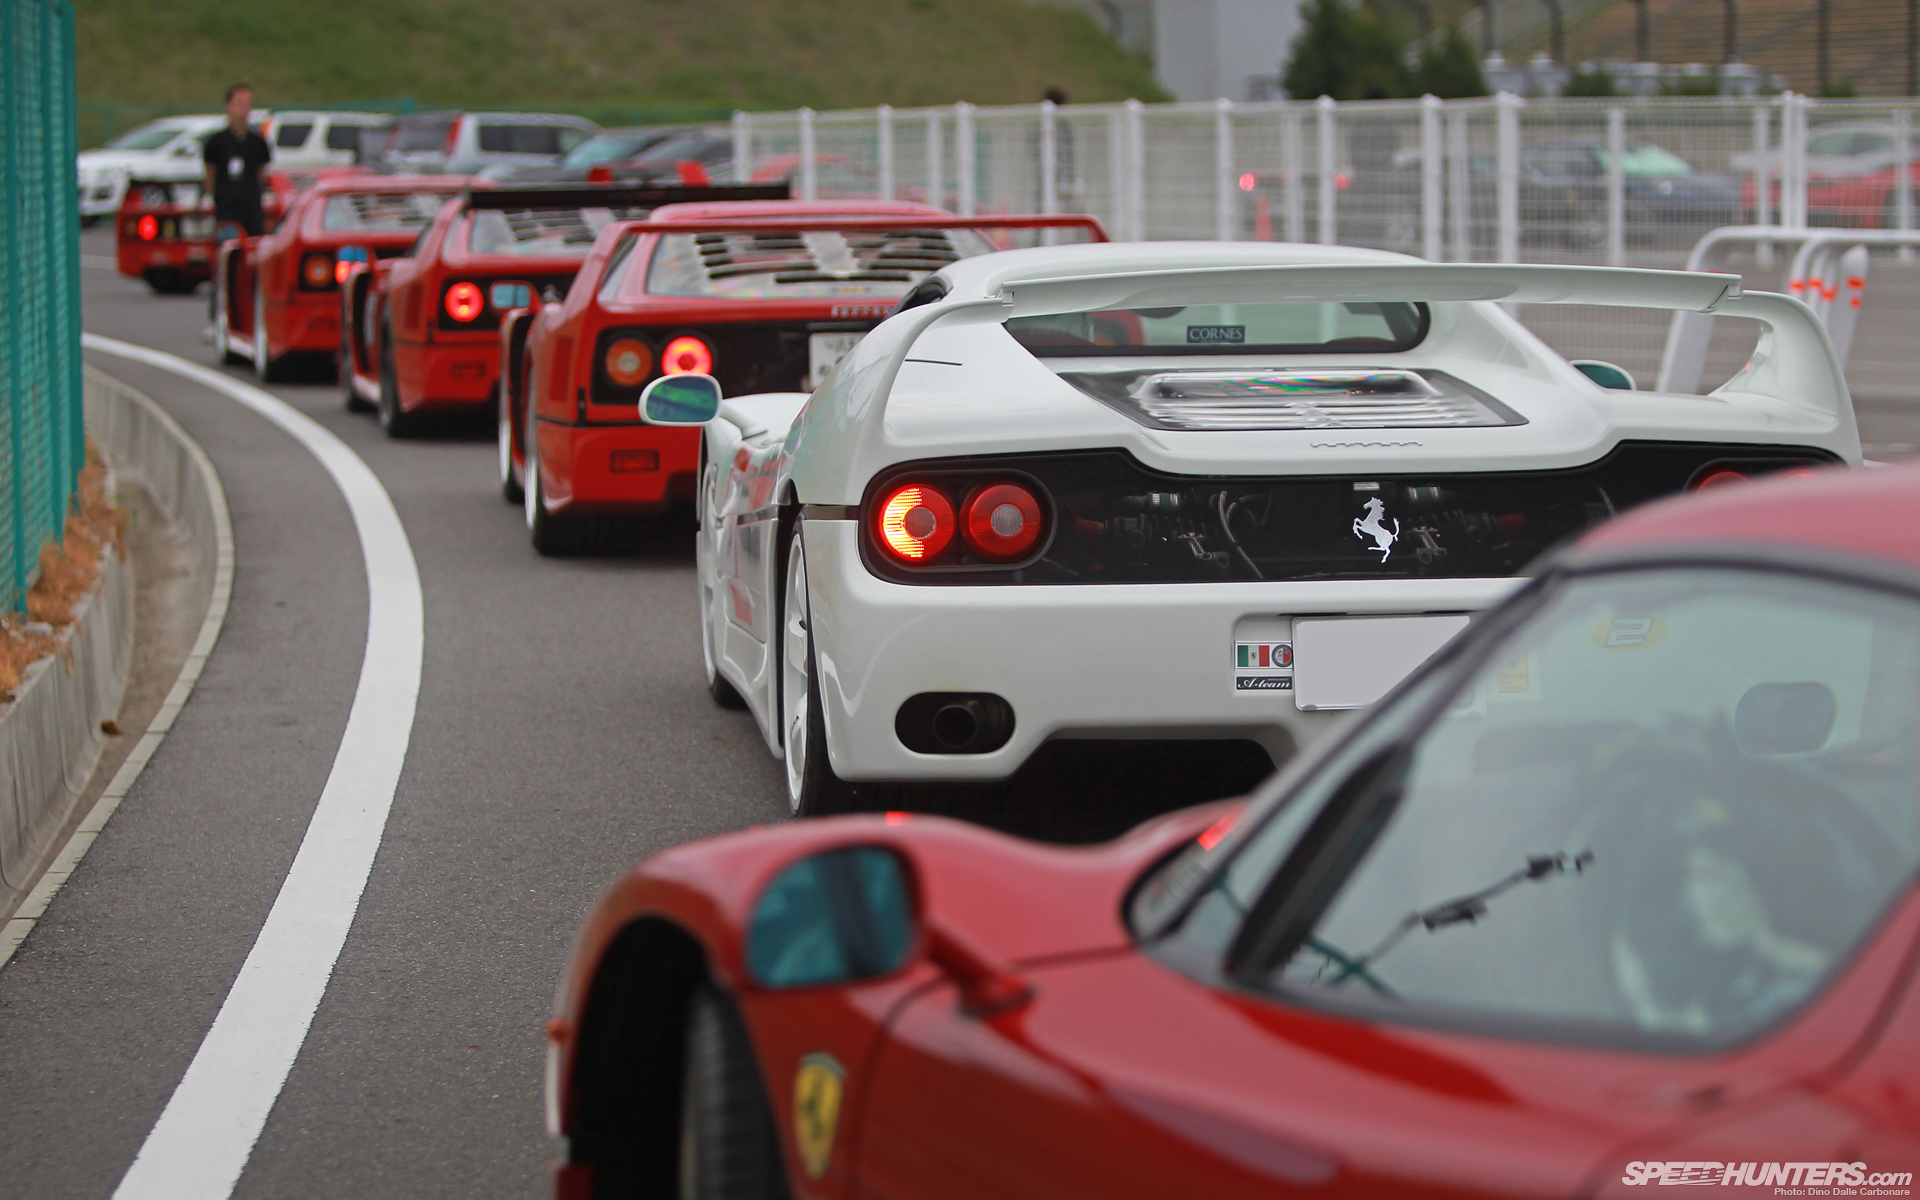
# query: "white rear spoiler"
1793,365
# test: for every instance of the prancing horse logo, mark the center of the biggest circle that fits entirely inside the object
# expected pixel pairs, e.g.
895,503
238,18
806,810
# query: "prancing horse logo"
1371,526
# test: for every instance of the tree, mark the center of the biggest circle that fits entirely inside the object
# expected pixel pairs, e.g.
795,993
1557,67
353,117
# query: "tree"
1448,67
1595,82
1344,53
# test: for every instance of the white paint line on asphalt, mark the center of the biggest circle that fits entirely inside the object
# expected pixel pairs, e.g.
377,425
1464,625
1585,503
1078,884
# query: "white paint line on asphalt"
30,909
203,1138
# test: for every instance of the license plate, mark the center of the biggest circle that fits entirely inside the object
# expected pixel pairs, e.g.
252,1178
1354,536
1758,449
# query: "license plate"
824,350
1350,662
196,229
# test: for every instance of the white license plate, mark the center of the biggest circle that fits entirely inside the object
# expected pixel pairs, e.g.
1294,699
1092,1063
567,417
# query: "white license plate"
1350,662
824,350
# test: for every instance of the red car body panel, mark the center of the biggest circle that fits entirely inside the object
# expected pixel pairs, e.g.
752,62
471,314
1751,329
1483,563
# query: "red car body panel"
300,317
1847,201
164,227
578,435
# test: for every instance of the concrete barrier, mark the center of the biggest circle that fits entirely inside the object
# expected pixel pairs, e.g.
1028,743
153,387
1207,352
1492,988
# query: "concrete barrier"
50,737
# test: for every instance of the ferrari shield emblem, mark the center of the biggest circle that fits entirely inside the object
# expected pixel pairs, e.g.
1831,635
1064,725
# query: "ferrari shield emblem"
816,1110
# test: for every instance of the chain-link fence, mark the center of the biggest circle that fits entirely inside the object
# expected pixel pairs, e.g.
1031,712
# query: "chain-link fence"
1629,182
41,436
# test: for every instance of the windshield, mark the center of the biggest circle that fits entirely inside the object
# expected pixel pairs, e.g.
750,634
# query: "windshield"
551,232
1648,162
147,137
1633,820
380,212
784,263
610,147
1281,328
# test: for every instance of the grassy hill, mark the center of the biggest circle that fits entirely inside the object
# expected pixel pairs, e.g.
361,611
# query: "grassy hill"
755,54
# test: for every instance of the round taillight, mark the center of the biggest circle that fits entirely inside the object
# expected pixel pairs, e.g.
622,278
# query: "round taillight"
629,361
916,523
686,356
317,269
1002,522
464,301
340,270
148,228
1719,479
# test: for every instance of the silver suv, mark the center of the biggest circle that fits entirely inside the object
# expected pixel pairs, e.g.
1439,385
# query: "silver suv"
460,143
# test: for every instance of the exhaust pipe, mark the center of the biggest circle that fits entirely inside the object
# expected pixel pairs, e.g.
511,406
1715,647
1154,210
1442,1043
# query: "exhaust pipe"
954,723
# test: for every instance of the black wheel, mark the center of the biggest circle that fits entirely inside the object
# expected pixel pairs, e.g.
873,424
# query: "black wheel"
168,281
503,427
217,313
344,368
396,421
266,368
729,1144
812,787
552,536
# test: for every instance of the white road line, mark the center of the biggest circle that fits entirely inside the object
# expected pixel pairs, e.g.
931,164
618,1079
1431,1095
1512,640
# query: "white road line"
202,1140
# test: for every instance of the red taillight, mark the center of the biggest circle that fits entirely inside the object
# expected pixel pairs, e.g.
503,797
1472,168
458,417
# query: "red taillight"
1719,479
916,523
464,301
1002,522
453,136
148,228
316,269
686,356
629,361
340,270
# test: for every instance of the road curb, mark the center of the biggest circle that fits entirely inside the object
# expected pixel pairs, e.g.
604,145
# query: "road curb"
142,439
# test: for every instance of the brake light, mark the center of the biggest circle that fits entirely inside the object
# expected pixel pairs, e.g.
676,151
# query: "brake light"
686,356
1002,522
148,228
464,301
340,270
317,269
629,361
453,136
916,523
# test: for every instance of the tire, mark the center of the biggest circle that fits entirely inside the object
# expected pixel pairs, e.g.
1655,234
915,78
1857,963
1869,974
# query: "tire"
397,422
724,694
170,282
812,788
265,367
729,1143
510,487
217,308
344,368
552,536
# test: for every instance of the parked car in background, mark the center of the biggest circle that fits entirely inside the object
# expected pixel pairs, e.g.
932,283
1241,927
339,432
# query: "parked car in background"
304,140
611,151
462,143
161,151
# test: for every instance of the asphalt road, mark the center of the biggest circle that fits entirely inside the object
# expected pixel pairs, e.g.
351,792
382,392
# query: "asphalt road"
563,733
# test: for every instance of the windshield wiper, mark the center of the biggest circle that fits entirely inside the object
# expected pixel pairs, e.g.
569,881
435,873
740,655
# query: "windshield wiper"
1461,910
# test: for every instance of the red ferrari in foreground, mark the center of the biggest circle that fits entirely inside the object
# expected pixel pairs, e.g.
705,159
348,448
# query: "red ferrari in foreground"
1618,890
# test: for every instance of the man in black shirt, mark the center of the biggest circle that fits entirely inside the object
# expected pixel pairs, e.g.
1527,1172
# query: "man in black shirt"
236,159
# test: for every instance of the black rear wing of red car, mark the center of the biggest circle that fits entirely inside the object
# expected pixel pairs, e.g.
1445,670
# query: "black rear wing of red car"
818,223
590,195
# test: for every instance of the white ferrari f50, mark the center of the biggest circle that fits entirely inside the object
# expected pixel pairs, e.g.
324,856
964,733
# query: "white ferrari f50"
1186,491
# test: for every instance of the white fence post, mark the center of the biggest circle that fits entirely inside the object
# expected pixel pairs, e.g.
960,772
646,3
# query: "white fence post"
936,161
1459,185
1793,151
883,130
1293,161
964,168
1224,183
1903,175
809,158
1507,133
1616,187
1116,220
742,147
1049,167
1329,167
1136,171
1763,174
1432,163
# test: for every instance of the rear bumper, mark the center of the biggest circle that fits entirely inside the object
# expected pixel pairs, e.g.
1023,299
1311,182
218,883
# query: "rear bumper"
452,377
195,259
309,324
617,470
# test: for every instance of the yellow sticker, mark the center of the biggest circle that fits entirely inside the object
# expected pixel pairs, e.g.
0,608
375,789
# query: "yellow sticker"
817,1087
1629,633
1512,677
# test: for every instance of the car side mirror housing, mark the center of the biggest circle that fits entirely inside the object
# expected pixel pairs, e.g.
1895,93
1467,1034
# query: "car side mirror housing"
833,917
1606,374
680,400
510,293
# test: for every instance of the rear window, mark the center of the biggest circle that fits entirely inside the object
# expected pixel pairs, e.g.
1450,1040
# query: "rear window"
380,212
786,264
421,135
562,232
146,137
523,139
1215,329
293,134
349,137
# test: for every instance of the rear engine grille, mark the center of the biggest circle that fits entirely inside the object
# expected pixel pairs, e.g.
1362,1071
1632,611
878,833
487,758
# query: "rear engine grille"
1295,398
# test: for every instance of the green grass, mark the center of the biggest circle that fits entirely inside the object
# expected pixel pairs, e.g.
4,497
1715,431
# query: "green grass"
667,56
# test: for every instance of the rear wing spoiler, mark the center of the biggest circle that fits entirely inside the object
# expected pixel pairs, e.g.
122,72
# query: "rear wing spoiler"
1793,366
825,223
591,195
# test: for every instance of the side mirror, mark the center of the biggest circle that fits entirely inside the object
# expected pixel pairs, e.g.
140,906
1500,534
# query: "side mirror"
833,917
680,400
1606,374
510,293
